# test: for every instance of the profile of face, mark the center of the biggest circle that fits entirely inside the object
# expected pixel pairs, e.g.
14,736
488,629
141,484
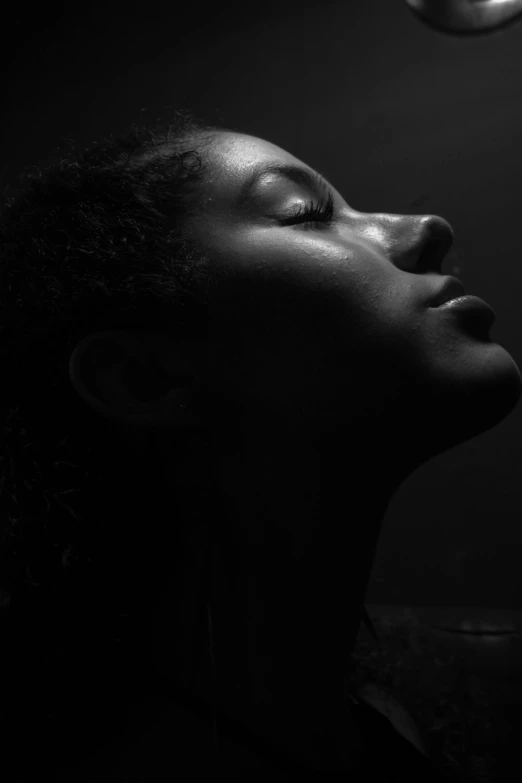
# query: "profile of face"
331,313
323,318
330,374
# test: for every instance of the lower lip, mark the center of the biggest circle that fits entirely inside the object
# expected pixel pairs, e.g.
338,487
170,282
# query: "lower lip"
473,306
469,303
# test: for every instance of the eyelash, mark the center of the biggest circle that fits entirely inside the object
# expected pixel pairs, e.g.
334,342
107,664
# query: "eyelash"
313,213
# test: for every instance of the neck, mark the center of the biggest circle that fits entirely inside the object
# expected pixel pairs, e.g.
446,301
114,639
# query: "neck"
290,577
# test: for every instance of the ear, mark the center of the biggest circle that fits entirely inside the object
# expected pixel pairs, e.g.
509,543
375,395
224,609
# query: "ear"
136,378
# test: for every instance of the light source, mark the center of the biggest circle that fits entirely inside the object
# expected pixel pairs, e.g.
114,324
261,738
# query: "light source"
466,17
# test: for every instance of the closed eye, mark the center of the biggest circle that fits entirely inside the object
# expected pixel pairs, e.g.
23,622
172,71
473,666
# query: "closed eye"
312,213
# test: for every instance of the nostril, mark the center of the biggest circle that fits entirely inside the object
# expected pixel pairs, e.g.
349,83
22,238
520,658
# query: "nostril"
428,255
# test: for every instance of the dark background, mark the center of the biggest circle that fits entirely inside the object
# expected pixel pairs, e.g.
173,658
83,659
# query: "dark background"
401,118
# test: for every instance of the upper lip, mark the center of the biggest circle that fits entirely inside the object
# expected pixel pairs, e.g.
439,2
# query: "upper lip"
452,288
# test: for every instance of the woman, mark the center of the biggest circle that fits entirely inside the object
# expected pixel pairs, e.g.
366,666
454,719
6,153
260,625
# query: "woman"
239,370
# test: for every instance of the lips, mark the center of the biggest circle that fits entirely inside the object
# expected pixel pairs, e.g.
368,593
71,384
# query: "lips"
451,289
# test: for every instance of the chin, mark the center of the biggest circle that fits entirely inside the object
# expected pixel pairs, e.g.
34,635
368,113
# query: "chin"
491,397
502,384
475,395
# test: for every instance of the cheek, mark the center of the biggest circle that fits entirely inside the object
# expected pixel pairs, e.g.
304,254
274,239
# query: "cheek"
305,354
303,331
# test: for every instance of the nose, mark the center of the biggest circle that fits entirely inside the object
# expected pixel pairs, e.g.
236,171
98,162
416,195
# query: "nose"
420,243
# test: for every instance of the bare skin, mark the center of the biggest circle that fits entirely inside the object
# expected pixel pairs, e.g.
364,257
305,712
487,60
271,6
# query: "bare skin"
331,379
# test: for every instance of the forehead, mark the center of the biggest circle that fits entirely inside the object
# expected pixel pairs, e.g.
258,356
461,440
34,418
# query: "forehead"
234,155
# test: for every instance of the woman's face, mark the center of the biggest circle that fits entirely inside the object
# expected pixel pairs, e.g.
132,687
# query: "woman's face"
322,318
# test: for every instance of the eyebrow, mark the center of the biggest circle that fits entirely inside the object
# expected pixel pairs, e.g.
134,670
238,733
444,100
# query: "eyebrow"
303,177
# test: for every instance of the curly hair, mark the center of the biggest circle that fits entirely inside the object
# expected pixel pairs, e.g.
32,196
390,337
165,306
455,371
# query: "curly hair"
90,241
